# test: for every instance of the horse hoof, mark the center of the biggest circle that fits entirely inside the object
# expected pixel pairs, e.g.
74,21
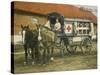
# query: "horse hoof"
51,58
25,63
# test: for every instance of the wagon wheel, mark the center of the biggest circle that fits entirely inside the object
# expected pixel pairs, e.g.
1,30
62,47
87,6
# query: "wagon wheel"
74,47
94,47
71,47
86,45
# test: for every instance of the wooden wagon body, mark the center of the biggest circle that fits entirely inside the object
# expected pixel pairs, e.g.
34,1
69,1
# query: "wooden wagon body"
78,34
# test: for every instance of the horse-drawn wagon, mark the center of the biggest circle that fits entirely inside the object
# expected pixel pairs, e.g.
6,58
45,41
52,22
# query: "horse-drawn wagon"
73,35
66,35
78,34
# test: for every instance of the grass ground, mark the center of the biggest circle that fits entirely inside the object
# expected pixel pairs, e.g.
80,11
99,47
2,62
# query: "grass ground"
66,63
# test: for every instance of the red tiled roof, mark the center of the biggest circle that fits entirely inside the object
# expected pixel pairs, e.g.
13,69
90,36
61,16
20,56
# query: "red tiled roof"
69,11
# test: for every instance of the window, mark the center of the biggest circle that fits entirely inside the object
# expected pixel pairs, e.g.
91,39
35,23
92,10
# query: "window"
84,25
80,24
83,28
80,31
87,25
84,31
87,31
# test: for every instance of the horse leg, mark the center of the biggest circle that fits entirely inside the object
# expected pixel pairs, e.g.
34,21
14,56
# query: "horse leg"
26,55
44,56
48,54
67,48
37,55
33,55
62,52
52,54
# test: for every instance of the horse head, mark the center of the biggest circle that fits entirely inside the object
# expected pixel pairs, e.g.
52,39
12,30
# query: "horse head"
23,32
39,32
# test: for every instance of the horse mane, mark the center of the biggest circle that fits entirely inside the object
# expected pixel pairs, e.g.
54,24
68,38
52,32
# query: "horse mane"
47,34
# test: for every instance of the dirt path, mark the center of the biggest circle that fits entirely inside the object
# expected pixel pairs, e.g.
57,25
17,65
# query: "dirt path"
74,62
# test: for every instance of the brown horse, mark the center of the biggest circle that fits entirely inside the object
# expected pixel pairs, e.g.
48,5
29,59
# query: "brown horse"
45,43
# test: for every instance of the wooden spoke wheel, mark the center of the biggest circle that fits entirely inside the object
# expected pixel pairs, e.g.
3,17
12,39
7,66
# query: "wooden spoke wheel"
86,45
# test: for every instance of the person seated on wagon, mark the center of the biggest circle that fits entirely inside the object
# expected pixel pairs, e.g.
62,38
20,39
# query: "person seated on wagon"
57,26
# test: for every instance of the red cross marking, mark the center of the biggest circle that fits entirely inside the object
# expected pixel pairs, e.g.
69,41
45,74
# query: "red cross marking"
68,28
